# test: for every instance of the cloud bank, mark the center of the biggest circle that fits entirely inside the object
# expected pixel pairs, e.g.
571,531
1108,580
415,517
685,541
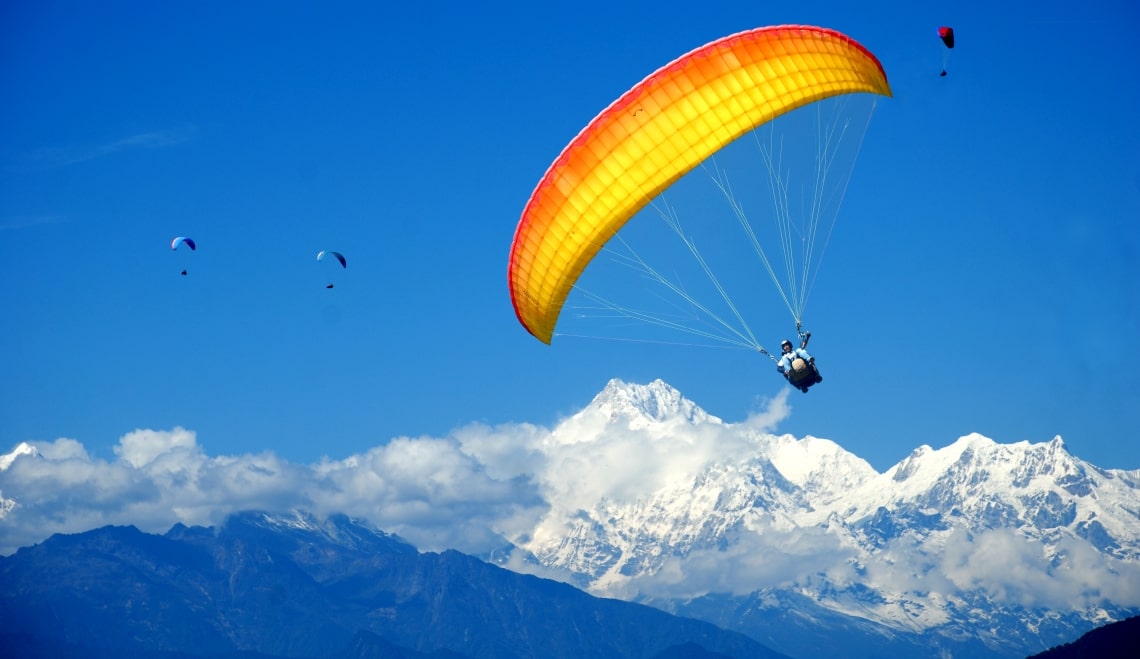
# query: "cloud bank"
482,487
429,490
475,490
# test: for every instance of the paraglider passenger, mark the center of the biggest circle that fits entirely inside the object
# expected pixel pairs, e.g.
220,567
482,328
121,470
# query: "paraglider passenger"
797,366
789,355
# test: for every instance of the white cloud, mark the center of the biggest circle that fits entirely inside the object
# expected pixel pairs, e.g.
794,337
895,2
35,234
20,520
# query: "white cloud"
426,489
468,491
764,557
769,412
1012,568
482,486
160,477
905,566
142,446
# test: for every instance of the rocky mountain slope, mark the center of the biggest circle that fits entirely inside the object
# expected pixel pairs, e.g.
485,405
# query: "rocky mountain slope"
266,586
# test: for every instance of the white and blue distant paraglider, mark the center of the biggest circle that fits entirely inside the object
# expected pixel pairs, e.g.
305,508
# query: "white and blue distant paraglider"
183,240
324,253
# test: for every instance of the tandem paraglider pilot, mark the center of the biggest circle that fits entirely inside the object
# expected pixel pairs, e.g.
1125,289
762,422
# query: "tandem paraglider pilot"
798,367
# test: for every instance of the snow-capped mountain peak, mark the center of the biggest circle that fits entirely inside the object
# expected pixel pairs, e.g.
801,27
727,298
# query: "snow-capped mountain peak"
1040,491
23,448
653,402
948,538
6,460
337,529
819,466
655,407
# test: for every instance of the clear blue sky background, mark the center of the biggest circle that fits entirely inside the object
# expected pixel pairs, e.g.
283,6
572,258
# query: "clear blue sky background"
984,275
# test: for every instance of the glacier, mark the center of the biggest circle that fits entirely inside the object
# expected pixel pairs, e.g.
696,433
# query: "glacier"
1018,546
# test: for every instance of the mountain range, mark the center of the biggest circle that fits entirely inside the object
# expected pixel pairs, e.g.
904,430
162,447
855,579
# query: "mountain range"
975,549
263,586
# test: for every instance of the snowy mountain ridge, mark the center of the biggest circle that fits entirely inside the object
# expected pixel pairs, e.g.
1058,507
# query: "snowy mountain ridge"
947,540
975,549
23,448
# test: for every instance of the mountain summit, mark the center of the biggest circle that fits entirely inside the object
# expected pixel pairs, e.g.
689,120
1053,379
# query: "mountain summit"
642,405
997,549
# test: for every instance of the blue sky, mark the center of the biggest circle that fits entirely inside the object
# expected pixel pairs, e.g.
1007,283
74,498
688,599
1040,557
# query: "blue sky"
983,277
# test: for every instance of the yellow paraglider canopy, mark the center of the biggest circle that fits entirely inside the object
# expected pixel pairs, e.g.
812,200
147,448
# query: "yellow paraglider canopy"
656,133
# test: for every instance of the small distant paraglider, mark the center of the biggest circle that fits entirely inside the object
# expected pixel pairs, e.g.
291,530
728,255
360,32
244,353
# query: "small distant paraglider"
946,34
321,255
183,240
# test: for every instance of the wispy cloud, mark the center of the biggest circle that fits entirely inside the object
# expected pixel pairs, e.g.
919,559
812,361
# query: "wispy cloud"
13,223
60,156
1016,570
